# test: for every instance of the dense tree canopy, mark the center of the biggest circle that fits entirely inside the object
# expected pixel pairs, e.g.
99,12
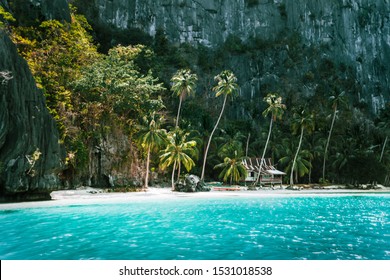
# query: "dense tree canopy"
92,95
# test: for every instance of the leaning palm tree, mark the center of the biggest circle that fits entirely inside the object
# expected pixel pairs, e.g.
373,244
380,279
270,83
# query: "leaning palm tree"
227,86
179,151
183,83
232,168
384,125
276,108
151,137
302,121
302,163
336,100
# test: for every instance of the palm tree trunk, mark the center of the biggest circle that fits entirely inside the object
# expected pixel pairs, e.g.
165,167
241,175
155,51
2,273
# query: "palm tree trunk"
147,169
173,176
211,136
265,149
295,159
327,144
247,145
178,171
383,149
178,110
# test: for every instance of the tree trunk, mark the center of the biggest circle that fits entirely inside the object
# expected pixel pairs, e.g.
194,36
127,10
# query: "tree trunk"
295,159
147,170
383,149
178,171
247,145
327,144
211,136
178,110
265,149
173,176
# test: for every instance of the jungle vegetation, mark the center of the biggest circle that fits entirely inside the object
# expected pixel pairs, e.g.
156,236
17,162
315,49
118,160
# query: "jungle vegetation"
165,99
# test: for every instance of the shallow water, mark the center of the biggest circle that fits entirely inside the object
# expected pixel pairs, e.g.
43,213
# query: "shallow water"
341,227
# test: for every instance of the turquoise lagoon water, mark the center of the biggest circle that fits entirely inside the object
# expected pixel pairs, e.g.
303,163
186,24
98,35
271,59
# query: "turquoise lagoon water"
341,227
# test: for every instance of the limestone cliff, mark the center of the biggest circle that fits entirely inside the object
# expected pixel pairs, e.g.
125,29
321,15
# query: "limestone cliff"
29,12
30,155
356,32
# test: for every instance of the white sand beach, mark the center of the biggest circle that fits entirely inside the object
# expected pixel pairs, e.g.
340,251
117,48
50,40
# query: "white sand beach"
89,195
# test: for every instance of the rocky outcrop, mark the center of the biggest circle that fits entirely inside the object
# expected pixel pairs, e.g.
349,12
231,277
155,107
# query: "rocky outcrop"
30,153
356,32
191,183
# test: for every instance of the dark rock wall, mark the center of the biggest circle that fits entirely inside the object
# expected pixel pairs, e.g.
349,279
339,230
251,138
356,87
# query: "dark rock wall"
30,12
356,32
25,127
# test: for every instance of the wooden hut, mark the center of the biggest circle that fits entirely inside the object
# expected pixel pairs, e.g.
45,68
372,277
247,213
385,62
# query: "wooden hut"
269,175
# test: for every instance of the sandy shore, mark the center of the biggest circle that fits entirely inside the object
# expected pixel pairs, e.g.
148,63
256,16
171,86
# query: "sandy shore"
94,196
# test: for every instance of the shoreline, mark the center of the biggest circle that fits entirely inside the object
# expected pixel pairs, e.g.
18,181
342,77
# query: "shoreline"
88,196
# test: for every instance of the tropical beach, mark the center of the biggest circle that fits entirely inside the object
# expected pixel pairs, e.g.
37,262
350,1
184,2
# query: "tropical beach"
194,130
88,195
161,224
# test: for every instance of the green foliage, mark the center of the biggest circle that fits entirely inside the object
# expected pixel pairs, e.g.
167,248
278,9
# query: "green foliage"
234,44
6,18
233,169
150,136
91,95
117,88
183,84
56,52
179,150
275,106
226,84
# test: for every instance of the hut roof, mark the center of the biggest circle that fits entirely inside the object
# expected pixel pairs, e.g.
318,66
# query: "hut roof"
253,164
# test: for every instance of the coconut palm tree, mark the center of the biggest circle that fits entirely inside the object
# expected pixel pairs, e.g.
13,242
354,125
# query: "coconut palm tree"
276,109
233,168
230,145
227,86
183,84
286,153
179,151
384,125
151,137
336,100
316,147
302,120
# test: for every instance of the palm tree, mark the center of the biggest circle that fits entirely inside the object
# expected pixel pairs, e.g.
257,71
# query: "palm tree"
227,86
336,100
286,153
384,125
151,138
316,147
276,108
183,83
301,121
231,144
233,168
178,152
302,163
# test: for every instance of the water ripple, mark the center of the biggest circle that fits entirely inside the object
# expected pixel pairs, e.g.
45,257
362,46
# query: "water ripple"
233,228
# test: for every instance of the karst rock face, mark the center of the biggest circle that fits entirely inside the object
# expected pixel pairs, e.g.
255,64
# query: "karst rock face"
356,32
28,12
30,153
